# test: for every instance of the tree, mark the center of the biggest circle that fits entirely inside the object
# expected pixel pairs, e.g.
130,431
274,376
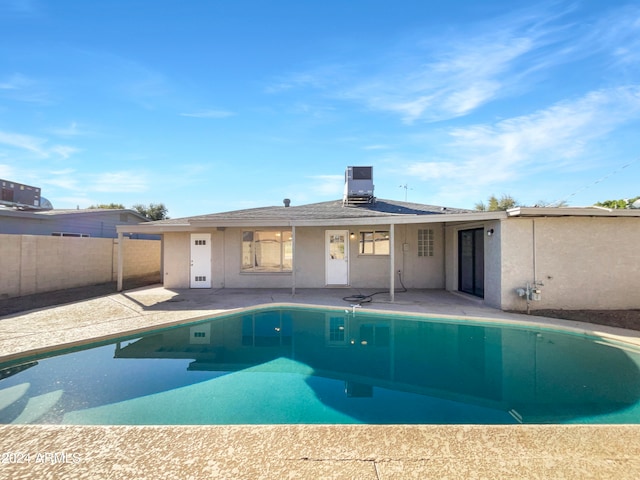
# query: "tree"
495,204
109,206
155,211
622,203
544,203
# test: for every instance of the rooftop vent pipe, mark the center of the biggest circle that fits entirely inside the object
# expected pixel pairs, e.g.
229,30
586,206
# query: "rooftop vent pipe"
286,202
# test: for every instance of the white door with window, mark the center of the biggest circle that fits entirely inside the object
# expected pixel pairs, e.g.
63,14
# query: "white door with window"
337,257
200,273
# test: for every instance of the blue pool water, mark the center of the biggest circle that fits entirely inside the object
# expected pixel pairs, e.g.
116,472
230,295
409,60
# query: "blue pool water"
329,367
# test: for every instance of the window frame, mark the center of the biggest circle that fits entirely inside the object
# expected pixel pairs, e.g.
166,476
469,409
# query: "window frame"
426,240
285,264
362,242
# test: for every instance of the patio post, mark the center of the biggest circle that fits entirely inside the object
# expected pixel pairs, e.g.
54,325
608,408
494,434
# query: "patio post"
392,261
293,260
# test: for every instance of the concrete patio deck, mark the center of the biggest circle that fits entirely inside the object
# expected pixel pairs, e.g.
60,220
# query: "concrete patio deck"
292,451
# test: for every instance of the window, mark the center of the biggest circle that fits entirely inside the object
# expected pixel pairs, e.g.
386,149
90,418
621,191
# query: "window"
68,234
336,327
267,329
425,243
267,251
374,243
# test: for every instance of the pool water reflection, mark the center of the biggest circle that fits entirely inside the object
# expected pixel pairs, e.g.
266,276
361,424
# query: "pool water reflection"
330,366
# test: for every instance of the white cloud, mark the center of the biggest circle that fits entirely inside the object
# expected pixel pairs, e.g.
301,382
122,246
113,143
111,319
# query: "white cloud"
443,77
122,181
327,185
72,130
35,145
6,172
376,147
209,114
24,142
63,151
556,137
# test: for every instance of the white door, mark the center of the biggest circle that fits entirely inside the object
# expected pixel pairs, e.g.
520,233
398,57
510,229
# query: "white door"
200,273
337,252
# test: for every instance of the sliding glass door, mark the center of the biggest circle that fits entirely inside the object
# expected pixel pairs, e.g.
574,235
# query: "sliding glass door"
471,261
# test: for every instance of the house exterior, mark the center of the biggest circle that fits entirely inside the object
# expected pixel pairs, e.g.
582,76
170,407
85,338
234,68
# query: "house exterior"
521,259
95,223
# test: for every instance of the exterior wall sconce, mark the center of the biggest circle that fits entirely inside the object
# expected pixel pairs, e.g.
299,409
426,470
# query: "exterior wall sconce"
490,232
352,235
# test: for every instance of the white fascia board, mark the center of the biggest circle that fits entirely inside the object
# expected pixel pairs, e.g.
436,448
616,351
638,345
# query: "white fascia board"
316,222
571,212
153,229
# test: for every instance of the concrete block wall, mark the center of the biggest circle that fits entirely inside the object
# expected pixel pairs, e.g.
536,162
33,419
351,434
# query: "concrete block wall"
38,263
141,258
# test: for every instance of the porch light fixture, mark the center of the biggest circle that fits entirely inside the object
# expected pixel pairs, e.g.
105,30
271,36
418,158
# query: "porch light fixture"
352,235
489,232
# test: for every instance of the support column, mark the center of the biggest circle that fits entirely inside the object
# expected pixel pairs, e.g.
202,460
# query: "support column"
392,261
293,260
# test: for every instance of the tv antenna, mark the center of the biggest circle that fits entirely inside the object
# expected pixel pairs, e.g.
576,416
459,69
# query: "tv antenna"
406,188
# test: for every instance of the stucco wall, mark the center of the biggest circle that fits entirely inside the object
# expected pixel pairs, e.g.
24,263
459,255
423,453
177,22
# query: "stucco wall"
366,271
584,262
176,260
37,263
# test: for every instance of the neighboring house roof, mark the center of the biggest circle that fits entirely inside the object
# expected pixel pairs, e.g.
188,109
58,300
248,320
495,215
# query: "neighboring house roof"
99,223
11,212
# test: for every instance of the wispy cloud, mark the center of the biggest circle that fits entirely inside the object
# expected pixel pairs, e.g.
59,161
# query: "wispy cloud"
547,140
327,185
35,145
6,171
19,87
436,78
209,114
120,181
24,142
376,147
71,130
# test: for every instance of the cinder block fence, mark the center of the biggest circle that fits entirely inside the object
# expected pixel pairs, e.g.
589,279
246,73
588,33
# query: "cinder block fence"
38,263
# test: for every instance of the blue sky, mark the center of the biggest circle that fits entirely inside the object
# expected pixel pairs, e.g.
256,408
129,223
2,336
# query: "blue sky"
209,106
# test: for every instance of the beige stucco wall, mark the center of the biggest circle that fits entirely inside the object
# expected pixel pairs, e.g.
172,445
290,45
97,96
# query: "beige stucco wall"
39,263
175,272
584,262
366,271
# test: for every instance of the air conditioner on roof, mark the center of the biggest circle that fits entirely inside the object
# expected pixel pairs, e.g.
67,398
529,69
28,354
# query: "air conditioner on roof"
358,186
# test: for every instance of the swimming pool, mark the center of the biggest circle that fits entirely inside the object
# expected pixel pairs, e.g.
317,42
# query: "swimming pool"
312,366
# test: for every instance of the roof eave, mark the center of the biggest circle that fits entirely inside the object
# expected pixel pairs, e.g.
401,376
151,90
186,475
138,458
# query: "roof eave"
571,212
314,222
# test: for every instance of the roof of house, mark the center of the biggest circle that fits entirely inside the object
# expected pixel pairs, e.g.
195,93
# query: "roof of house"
323,213
334,213
325,210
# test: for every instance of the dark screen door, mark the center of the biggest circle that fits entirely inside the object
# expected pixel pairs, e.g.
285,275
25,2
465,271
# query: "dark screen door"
471,261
